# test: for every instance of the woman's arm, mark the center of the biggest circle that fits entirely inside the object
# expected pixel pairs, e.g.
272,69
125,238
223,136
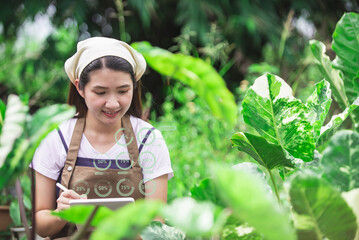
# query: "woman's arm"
156,188
47,224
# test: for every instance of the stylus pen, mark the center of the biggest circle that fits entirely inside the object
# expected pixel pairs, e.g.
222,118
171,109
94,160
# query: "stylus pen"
61,187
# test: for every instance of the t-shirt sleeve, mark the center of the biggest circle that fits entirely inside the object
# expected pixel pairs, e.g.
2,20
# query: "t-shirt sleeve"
154,157
50,156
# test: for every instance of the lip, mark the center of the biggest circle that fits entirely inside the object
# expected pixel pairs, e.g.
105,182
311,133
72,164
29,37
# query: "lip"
110,114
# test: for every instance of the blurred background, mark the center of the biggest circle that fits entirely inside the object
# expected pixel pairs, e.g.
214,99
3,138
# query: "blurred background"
241,39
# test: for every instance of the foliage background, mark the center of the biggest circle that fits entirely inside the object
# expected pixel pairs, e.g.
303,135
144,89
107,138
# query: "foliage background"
241,39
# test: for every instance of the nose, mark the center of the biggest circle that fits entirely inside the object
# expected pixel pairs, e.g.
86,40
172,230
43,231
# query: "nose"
112,102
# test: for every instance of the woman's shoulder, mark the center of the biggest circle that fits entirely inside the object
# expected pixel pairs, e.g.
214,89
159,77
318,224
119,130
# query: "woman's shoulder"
67,127
138,123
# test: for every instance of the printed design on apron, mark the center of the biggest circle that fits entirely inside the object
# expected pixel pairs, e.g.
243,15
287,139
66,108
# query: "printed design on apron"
102,178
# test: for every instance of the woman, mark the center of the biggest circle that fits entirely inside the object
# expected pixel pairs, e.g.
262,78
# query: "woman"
106,150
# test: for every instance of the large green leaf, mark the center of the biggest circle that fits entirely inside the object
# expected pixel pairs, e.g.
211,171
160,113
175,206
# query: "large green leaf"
128,221
352,198
44,121
320,211
346,46
235,229
258,148
331,127
195,218
318,105
21,152
248,197
271,109
15,117
15,213
196,73
206,191
79,214
341,160
157,230
333,76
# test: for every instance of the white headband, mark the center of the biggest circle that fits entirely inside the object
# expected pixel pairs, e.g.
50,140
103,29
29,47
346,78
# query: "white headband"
97,47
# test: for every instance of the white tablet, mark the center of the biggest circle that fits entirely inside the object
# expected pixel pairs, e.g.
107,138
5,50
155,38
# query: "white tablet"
112,203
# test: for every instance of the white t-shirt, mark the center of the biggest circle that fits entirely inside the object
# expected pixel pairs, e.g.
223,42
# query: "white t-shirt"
154,159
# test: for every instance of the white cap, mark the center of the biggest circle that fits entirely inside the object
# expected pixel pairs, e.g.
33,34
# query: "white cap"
97,47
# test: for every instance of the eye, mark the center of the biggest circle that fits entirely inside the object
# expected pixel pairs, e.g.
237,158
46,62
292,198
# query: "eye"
99,93
123,92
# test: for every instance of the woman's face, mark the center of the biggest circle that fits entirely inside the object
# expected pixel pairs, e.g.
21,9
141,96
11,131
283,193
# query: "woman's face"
108,95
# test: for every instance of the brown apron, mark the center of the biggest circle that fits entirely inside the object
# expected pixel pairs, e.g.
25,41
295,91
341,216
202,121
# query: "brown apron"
102,178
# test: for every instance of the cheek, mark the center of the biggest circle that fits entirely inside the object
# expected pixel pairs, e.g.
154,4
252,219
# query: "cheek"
126,100
93,101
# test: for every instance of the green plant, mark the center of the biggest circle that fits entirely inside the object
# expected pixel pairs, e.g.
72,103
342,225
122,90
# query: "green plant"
304,185
342,72
21,133
194,72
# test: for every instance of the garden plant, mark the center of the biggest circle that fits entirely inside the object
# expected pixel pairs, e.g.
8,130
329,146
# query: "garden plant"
303,179
295,174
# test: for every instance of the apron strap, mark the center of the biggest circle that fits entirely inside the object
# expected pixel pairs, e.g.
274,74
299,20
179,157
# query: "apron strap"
76,141
130,140
72,152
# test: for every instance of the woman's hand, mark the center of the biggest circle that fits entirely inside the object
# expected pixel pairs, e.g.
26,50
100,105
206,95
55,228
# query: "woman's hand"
63,202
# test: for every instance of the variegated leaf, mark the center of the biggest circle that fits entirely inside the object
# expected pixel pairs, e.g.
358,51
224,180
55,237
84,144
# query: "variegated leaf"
331,127
318,105
271,109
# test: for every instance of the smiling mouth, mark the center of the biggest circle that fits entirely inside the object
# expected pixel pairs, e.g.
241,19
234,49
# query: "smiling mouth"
111,114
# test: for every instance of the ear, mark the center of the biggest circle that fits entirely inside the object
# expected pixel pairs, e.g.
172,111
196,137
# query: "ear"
76,83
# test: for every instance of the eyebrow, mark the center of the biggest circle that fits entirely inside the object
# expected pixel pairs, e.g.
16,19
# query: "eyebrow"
123,86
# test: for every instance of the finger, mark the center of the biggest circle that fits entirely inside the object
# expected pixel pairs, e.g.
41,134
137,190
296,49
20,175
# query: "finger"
61,206
70,194
63,200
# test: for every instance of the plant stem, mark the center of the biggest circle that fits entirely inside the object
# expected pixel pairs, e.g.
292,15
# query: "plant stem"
274,186
121,19
81,233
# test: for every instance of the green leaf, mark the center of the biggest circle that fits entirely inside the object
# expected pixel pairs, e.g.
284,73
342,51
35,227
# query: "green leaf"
15,213
128,221
13,165
206,191
43,122
332,126
333,76
258,148
248,197
196,73
271,109
340,160
20,153
346,46
195,218
2,114
47,119
237,230
320,210
160,231
79,214
13,126
352,198
318,105
27,202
